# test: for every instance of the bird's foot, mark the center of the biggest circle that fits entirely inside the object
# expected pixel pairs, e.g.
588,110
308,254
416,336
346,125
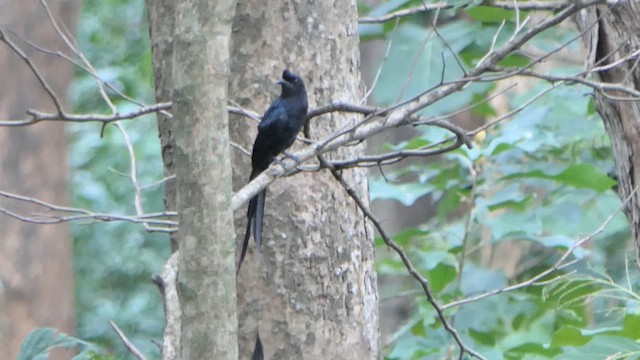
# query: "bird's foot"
281,163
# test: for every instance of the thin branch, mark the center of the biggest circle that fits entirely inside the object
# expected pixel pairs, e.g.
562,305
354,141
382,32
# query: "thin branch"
243,112
34,70
89,70
602,87
128,344
133,175
167,284
416,59
410,268
404,12
38,116
384,62
84,214
528,6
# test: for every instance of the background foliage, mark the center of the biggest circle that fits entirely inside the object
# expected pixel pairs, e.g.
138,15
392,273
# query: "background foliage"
115,261
530,187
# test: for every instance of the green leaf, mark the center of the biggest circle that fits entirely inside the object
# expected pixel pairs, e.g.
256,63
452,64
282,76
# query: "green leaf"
603,347
390,266
569,336
631,328
441,276
514,60
448,203
532,348
483,108
471,53
569,291
404,237
514,223
581,176
484,338
406,193
416,143
560,241
36,345
490,14
591,106
518,205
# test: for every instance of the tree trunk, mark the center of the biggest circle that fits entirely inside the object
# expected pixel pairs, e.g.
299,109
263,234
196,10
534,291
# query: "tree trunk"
612,41
36,266
312,293
161,29
199,77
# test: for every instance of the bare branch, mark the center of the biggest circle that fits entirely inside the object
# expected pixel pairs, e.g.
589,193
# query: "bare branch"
407,263
604,88
404,12
83,214
384,62
38,116
528,5
243,112
34,70
128,344
166,283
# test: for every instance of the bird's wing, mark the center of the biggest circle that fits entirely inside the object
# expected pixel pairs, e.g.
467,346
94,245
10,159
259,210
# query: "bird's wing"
267,143
275,114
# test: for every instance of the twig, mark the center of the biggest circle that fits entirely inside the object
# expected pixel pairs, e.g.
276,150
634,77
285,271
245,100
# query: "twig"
128,344
167,284
84,214
384,62
410,268
528,5
34,70
37,116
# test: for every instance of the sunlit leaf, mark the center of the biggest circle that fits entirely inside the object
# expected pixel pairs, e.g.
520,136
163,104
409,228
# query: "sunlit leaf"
582,176
569,336
490,14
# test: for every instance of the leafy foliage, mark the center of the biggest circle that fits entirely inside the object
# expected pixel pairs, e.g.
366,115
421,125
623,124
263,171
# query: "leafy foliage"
507,209
115,261
38,344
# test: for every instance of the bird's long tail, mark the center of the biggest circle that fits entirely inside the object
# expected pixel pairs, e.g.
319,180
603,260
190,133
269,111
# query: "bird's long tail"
259,218
255,217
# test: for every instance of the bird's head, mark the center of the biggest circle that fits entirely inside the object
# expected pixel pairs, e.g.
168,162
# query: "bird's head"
292,84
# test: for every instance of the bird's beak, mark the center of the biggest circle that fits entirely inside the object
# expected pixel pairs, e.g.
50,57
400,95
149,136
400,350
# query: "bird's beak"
281,82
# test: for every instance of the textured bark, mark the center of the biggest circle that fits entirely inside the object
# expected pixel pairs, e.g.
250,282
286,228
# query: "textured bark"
36,273
312,293
161,28
615,35
206,267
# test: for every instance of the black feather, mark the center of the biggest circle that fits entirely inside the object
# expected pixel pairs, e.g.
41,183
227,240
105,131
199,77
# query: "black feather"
277,131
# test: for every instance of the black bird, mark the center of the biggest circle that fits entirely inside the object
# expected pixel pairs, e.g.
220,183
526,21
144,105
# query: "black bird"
277,131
